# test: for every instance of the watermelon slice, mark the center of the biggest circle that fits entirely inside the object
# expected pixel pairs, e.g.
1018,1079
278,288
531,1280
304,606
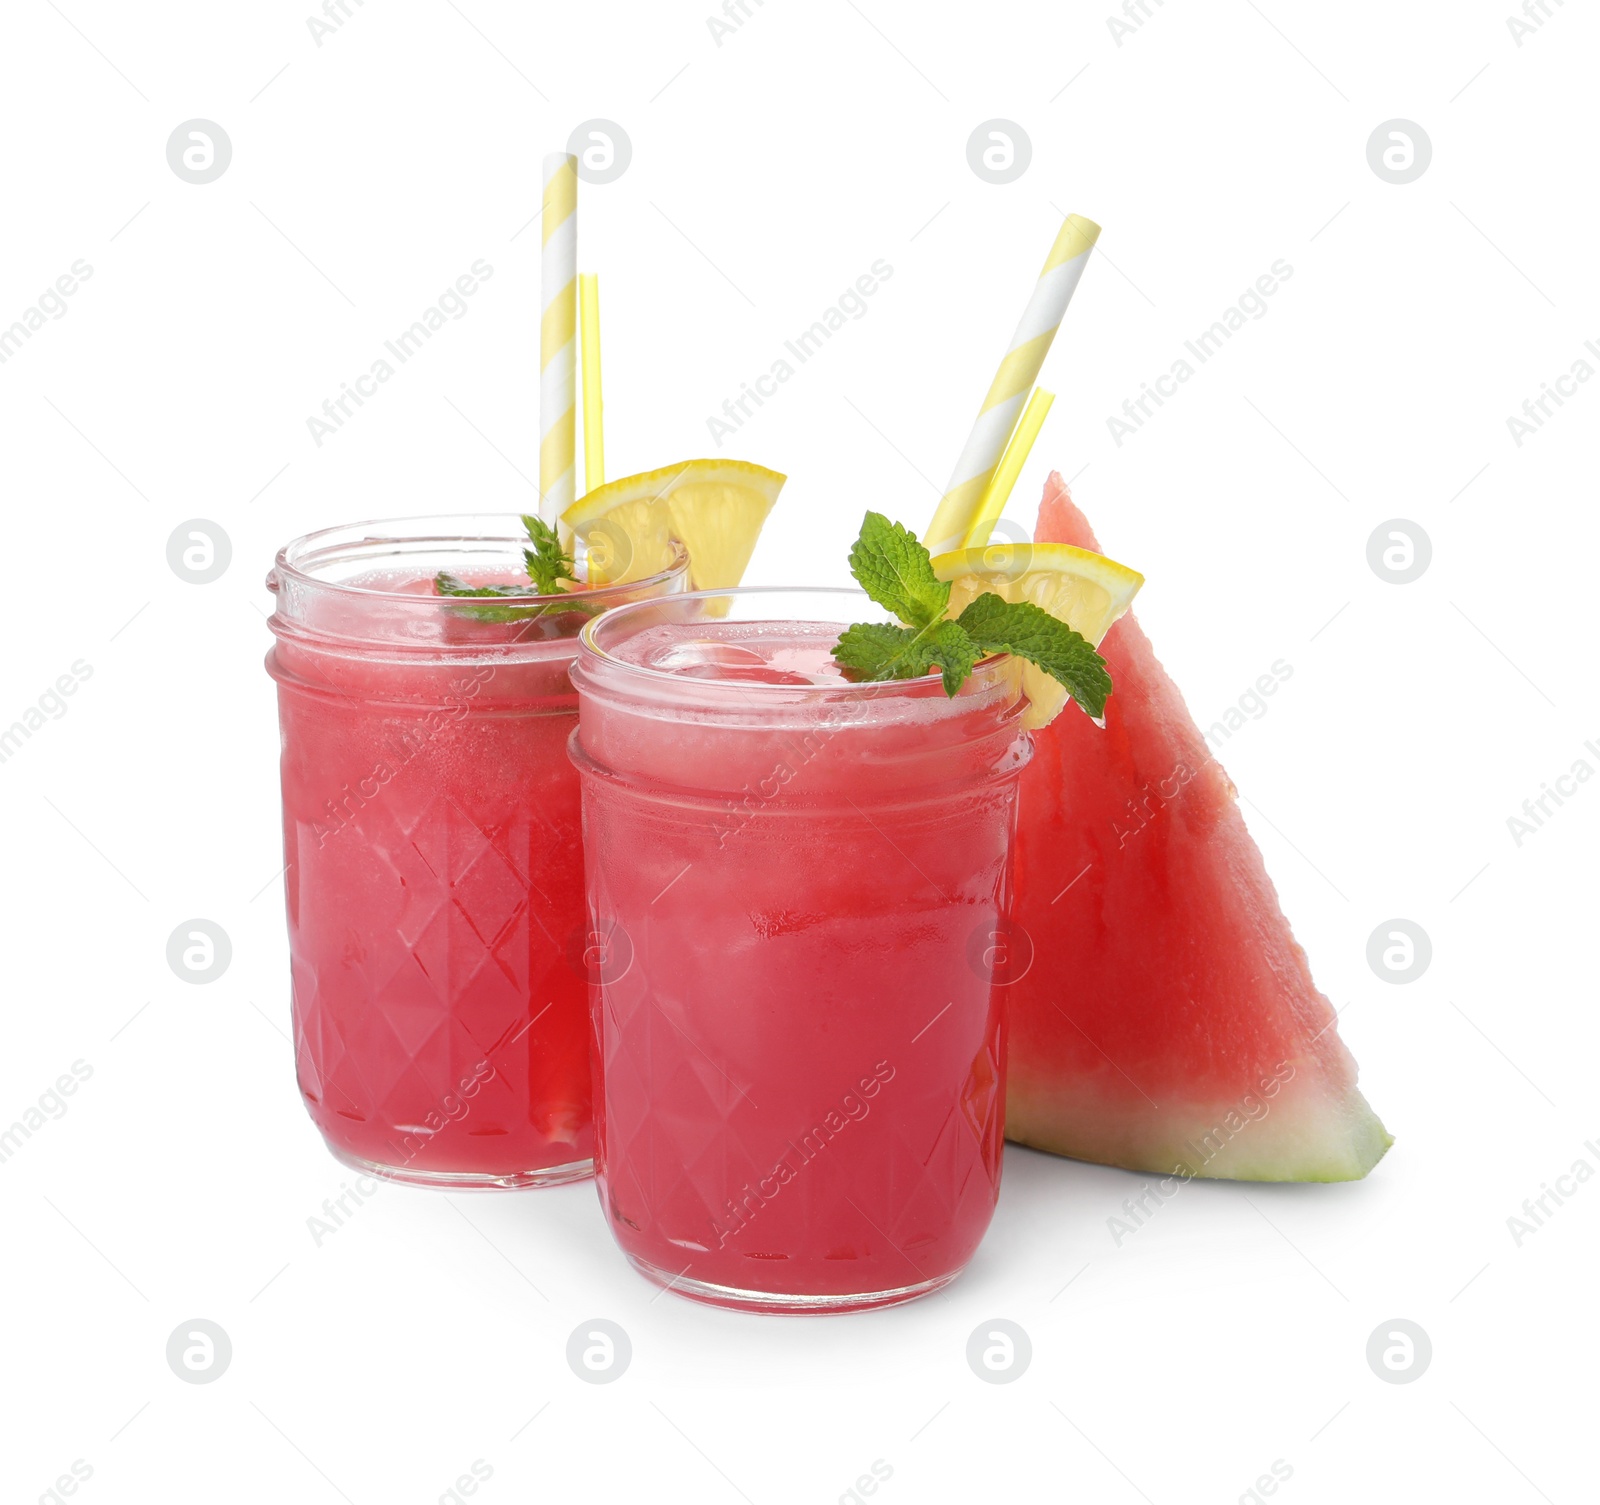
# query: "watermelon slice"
1168,1022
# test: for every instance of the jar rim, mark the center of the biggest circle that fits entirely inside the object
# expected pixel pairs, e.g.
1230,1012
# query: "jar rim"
590,648
295,559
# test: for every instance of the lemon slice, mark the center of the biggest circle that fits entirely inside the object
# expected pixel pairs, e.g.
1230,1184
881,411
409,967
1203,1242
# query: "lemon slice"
714,508
1087,591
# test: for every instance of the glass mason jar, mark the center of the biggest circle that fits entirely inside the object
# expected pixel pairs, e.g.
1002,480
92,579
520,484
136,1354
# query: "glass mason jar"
797,884
433,858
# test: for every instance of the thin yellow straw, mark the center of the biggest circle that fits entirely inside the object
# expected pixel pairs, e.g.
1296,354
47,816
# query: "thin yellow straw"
594,444
1010,467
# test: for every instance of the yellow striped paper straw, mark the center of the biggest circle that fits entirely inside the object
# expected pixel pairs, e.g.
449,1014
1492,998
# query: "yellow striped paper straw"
558,290
1010,467
1018,371
594,420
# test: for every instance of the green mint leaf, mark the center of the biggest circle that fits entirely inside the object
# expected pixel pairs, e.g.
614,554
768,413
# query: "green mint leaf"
893,568
548,563
871,650
447,584
996,625
880,650
951,648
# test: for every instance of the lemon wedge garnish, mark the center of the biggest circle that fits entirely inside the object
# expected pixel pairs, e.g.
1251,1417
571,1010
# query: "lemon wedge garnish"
1087,591
714,508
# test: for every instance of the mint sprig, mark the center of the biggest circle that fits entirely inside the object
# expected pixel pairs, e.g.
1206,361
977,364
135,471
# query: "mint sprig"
896,571
547,564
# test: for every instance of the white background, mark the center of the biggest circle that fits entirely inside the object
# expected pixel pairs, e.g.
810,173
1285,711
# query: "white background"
768,173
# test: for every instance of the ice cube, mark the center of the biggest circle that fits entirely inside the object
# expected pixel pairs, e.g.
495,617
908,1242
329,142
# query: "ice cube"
704,658
695,653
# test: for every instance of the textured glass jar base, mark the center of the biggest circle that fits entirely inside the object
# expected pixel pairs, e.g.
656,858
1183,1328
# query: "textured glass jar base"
780,1305
407,1175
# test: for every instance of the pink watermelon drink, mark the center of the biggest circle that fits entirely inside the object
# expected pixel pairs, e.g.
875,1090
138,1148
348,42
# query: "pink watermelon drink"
433,861
798,881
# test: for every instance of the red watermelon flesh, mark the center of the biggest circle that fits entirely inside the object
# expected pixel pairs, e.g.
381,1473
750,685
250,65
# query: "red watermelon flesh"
1168,1022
